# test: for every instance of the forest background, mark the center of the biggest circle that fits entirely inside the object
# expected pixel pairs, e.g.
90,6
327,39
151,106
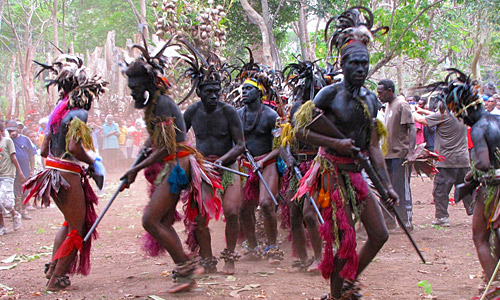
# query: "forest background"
425,37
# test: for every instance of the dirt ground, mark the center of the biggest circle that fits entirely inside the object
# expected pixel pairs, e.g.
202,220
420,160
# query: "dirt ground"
120,270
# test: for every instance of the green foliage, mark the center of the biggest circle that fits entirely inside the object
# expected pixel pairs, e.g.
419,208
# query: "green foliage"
241,31
427,288
90,21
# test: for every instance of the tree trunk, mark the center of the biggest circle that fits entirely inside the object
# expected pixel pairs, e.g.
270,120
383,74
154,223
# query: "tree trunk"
54,25
399,68
482,35
257,19
272,41
11,91
63,22
145,30
26,68
303,34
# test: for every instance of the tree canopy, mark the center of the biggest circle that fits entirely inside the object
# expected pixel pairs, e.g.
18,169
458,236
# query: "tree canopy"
425,36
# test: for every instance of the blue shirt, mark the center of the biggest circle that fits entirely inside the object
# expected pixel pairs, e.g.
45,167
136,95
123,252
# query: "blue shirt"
110,142
24,151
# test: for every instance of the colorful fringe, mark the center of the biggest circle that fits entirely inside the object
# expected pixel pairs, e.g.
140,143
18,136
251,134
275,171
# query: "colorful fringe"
44,185
50,182
57,115
79,131
161,129
349,188
304,116
202,198
227,178
251,187
491,190
288,189
382,134
154,175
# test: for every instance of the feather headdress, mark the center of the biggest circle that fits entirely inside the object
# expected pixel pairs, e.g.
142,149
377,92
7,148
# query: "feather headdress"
210,71
76,88
458,91
151,64
73,82
304,76
353,29
259,76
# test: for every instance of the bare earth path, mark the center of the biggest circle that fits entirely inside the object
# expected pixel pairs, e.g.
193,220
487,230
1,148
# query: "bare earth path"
121,271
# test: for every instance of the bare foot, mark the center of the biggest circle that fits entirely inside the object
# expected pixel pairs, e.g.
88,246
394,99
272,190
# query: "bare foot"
210,270
49,269
313,268
274,261
57,283
229,268
182,287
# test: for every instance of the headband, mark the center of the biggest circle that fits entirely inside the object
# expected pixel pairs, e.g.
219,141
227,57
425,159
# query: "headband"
252,82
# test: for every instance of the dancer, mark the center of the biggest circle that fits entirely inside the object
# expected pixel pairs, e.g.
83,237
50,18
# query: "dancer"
259,121
305,81
343,193
172,167
66,138
462,98
219,136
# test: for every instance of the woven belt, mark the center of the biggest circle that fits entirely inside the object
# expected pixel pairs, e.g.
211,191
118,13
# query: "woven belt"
304,156
64,166
349,167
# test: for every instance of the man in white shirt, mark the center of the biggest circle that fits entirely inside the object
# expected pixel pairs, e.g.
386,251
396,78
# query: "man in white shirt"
491,104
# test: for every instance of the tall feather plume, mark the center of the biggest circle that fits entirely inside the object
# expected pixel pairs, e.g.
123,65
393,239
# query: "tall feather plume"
249,67
153,63
352,25
72,80
302,76
457,91
210,71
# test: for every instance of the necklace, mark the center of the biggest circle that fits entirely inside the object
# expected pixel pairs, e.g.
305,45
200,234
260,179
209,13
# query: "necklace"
255,122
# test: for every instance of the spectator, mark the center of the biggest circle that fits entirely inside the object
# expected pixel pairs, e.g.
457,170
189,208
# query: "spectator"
110,145
429,132
496,99
401,145
491,105
8,167
451,143
137,137
489,89
122,139
33,136
25,154
413,100
95,128
420,128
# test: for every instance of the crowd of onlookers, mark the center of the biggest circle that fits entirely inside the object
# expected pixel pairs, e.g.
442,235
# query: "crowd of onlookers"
117,138
424,120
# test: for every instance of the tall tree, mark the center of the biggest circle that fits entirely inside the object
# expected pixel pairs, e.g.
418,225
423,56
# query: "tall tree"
27,21
267,39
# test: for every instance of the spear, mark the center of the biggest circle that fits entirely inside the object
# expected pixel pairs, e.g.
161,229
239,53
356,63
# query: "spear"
143,154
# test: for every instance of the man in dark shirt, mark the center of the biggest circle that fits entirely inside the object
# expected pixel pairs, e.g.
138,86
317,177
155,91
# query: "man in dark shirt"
451,143
25,154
